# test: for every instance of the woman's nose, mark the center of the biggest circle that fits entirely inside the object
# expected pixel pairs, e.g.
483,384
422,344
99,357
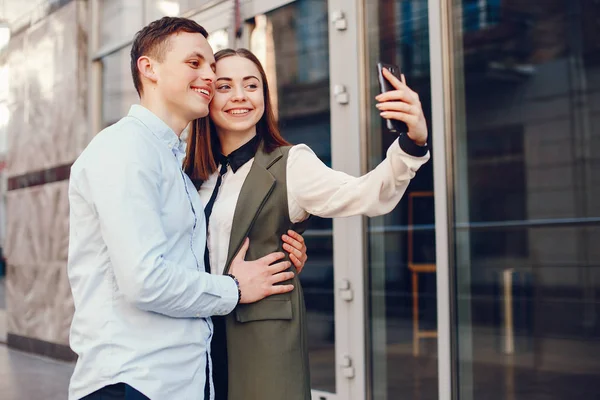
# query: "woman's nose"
239,94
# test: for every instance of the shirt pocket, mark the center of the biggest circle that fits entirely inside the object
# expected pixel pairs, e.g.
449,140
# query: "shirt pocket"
271,308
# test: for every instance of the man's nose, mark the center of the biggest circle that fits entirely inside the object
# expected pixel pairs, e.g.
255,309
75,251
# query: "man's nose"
209,76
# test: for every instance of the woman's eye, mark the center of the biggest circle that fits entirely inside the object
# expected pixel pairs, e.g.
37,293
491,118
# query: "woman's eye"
223,87
252,86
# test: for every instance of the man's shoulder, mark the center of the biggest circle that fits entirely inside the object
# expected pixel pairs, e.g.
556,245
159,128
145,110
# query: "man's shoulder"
128,130
126,139
125,134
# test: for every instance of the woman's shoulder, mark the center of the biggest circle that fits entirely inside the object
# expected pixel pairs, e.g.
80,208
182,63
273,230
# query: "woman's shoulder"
300,149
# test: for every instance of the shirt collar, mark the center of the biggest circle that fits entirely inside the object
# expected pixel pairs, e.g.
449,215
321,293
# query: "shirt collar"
241,155
159,128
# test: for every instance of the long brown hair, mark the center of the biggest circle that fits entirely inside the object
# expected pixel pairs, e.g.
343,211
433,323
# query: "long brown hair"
203,143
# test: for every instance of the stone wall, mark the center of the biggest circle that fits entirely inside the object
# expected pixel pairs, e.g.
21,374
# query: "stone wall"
47,130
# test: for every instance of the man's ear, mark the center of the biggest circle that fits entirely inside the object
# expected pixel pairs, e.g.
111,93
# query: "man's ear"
147,69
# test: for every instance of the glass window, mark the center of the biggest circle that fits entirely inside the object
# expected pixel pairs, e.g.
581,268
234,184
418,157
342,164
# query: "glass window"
157,8
119,21
525,181
118,92
401,245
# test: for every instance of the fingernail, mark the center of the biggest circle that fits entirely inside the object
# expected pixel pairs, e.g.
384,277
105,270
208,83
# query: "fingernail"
378,105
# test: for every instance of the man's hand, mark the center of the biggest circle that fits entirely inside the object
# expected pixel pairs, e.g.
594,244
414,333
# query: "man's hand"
258,279
294,244
403,105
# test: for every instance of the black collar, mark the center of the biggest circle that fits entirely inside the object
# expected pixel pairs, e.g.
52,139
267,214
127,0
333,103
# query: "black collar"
241,155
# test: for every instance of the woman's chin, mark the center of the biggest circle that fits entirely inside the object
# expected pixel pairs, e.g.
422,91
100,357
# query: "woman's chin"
238,126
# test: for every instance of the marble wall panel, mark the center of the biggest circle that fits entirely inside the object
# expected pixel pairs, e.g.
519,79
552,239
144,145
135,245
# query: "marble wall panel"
39,300
47,91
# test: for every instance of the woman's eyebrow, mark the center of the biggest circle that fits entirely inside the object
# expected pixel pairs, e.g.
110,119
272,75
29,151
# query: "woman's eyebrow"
224,78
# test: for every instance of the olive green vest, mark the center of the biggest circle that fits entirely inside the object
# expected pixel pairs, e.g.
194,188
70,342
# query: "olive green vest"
266,341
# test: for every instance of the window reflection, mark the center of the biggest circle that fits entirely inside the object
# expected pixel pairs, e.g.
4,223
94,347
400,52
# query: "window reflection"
401,245
118,92
526,211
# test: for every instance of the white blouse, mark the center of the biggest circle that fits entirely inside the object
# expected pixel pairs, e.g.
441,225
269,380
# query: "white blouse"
313,188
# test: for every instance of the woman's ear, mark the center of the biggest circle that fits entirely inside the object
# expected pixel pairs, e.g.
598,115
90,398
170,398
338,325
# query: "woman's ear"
147,69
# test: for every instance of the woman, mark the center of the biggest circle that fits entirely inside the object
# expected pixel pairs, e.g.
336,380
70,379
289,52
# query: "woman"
265,187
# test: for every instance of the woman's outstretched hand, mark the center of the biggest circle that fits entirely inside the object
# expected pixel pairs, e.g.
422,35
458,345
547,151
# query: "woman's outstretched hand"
403,105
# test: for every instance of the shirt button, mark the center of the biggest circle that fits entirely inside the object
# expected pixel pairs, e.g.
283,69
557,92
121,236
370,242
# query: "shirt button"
198,315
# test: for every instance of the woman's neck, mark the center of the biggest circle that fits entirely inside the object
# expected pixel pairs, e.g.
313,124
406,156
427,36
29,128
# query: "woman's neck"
231,141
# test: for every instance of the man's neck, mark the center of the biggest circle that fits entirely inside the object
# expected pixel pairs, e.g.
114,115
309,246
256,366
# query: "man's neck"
231,141
175,122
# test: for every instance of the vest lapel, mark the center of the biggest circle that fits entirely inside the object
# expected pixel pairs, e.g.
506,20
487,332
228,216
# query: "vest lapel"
255,191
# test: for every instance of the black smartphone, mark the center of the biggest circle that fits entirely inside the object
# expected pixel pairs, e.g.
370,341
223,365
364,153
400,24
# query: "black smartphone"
385,86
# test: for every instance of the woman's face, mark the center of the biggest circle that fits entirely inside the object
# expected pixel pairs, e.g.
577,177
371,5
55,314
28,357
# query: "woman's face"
238,103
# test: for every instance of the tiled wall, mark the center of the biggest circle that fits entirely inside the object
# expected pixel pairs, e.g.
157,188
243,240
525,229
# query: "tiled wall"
47,66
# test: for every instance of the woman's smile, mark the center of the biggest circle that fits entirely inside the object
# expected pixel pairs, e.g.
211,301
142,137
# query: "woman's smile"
238,112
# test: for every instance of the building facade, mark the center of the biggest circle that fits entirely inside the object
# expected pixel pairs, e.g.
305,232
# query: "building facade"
484,282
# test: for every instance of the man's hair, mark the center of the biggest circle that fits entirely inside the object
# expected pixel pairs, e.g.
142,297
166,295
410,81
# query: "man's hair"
153,41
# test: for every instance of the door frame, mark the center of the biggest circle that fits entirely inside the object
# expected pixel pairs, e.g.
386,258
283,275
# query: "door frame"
348,152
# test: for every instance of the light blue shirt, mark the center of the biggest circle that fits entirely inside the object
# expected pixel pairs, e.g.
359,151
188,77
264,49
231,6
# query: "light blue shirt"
136,251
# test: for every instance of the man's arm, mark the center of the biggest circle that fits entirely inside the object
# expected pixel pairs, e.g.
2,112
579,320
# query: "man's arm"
125,190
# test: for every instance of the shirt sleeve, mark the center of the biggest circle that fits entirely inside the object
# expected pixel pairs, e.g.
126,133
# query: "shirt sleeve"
324,192
125,191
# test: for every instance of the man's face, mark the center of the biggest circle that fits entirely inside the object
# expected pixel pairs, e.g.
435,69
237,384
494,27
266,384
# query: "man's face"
185,77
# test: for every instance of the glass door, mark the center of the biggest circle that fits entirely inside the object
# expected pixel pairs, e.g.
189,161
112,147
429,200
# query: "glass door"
402,313
526,217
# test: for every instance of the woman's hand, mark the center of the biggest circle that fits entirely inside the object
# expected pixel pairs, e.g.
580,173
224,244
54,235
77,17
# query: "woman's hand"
403,105
294,244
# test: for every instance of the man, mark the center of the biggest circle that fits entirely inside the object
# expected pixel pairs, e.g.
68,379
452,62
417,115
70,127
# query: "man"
142,298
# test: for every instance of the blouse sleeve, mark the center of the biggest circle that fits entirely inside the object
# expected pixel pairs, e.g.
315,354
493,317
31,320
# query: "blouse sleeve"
319,190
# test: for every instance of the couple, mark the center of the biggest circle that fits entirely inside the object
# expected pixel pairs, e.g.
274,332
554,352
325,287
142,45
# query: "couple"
150,276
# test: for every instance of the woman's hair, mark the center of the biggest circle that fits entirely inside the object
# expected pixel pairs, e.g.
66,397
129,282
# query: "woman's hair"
203,143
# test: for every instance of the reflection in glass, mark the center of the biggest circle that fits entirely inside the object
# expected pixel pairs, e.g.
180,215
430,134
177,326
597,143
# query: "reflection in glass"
296,59
402,292
118,92
527,263
119,21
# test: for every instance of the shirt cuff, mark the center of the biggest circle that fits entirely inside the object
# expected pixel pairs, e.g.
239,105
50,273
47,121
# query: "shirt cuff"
410,147
229,293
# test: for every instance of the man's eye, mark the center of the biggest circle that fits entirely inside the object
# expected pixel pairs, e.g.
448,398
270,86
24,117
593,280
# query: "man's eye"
194,64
